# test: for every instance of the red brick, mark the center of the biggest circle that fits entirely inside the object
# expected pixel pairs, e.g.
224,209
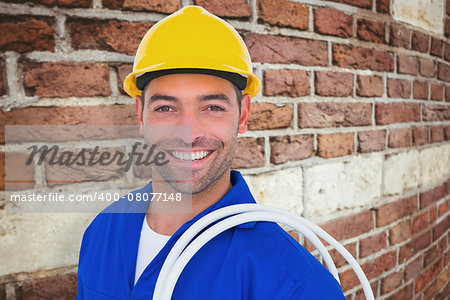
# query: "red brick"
379,265
290,148
231,9
250,153
447,94
269,116
280,49
122,72
333,114
348,280
391,282
389,113
370,30
443,286
372,244
57,175
436,113
432,196
441,228
2,173
447,52
391,212
369,86
420,90
62,287
437,92
3,83
111,35
66,79
433,213
402,294
399,138
407,64
442,243
447,7
419,41
436,47
427,68
61,3
361,58
332,22
383,6
371,141
437,134
400,36
442,208
288,83
72,115
25,34
359,3
351,226
413,268
447,133
447,255
447,27
430,256
427,276
444,72
163,6
283,13
334,144
338,259
431,291
400,232
19,174
398,88
335,84
420,136
410,249
359,295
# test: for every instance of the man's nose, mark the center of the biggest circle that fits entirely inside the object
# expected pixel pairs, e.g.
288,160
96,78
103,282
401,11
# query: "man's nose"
191,127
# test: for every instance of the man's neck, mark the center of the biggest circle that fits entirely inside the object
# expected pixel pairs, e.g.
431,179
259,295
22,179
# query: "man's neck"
167,223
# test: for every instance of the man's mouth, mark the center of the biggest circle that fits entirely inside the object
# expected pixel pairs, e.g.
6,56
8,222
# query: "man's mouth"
190,156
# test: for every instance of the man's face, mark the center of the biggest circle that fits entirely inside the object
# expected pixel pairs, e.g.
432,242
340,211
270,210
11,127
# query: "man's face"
207,107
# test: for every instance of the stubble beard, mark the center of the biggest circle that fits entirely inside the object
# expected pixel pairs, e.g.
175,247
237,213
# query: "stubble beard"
189,180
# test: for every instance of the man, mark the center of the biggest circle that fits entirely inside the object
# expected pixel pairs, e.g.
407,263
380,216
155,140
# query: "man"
193,69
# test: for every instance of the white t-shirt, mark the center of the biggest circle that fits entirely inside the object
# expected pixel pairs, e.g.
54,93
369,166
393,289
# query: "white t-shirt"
150,243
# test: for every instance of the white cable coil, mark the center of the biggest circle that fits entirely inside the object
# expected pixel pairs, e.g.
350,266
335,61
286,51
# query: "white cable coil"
233,215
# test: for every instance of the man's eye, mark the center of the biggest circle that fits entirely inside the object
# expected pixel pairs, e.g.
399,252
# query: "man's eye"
163,109
215,108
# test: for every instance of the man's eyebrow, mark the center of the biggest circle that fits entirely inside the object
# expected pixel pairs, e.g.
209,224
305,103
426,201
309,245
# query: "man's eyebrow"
207,97
214,97
162,97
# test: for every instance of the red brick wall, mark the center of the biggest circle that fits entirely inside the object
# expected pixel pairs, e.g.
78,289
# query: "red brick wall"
340,78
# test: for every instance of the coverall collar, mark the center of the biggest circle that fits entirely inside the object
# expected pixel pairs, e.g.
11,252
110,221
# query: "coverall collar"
131,227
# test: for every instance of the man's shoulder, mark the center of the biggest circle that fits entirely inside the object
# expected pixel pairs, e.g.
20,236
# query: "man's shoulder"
273,245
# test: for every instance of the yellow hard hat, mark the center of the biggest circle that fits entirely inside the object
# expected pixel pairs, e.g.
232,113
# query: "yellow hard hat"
193,39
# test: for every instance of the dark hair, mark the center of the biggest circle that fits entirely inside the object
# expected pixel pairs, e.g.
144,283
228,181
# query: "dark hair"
239,96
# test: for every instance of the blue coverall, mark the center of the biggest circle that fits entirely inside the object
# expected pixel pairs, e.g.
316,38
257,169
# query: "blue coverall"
252,261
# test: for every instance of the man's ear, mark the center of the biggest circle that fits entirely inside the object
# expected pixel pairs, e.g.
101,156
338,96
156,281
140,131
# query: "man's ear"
138,101
245,110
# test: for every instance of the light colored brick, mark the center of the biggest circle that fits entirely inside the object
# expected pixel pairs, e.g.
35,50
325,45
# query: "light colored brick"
339,185
281,189
434,164
401,172
29,236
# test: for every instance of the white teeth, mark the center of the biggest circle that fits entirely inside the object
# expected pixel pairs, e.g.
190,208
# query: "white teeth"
190,156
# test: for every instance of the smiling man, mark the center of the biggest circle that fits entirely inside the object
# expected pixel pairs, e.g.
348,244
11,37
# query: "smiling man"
193,70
